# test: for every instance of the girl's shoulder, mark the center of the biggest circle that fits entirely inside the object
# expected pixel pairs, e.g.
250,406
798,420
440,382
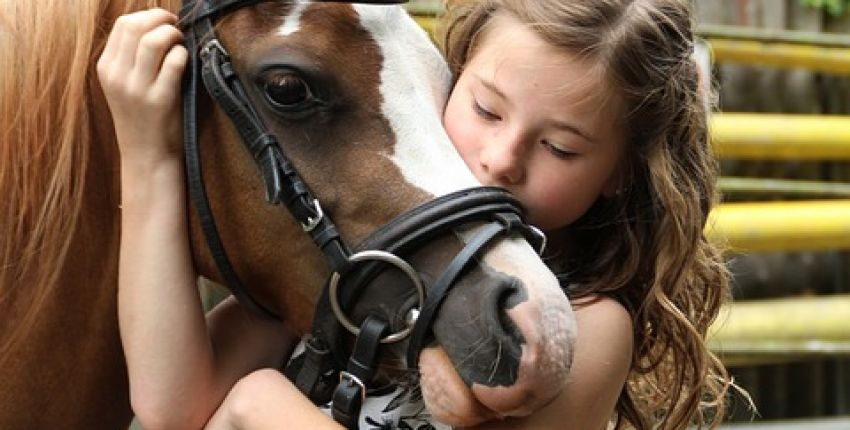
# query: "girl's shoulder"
603,317
602,310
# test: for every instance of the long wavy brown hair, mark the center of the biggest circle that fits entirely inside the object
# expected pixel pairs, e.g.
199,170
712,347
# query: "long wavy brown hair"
646,247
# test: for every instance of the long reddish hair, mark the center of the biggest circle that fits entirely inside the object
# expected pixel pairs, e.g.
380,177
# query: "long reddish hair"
53,128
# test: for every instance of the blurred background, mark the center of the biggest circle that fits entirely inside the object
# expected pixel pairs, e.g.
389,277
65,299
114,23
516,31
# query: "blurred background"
782,130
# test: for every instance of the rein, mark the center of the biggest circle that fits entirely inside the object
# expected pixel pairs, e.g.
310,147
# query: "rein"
324,372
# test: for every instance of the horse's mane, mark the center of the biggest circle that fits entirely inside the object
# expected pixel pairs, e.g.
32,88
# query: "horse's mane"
48,100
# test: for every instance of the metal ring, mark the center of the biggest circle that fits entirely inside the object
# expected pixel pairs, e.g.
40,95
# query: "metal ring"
386,257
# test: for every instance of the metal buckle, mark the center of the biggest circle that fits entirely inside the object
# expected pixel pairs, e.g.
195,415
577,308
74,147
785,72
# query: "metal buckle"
386,257
312,222
541,236
208,47
343,375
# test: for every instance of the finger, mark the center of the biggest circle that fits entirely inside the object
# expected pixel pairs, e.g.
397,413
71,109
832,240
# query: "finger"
106,62
132,28
171,73
112,43
153,47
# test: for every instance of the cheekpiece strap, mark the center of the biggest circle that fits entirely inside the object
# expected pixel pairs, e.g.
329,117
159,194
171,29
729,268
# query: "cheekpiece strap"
351,392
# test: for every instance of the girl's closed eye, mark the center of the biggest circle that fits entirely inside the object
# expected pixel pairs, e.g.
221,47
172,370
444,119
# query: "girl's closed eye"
557,150
483,112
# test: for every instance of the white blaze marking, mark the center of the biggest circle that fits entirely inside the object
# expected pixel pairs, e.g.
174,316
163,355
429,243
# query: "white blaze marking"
414,85
292,23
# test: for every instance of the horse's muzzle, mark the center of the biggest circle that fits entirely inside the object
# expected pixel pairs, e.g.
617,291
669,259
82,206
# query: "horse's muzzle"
508,333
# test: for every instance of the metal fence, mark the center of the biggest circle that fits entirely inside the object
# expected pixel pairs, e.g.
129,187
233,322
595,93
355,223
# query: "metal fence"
811,377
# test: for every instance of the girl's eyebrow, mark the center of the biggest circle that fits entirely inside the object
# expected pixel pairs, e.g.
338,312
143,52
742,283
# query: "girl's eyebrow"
492,87
566,126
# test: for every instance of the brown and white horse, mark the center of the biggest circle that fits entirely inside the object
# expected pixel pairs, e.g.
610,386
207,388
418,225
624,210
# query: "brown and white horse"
371,147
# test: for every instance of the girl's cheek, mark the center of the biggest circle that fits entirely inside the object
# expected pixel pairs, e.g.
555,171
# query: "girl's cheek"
457,132
466,145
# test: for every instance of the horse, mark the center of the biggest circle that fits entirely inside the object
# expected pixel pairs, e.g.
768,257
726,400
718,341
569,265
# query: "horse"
354,94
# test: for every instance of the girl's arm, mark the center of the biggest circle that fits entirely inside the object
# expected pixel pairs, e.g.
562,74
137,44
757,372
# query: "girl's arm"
265,400
180,368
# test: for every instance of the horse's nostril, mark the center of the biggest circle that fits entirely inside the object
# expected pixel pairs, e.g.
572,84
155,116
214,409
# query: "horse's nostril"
510,294
477,333
508,297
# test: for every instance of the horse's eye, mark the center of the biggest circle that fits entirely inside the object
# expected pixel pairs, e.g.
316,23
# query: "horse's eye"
287,90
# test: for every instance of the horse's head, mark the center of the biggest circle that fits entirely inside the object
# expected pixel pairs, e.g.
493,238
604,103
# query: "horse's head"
354,94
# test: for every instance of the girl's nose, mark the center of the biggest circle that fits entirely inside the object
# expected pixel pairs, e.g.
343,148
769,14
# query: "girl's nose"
502,159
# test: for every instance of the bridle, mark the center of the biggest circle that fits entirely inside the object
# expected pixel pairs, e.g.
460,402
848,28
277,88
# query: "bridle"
324,362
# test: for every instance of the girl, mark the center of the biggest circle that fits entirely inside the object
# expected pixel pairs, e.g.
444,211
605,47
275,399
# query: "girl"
640,242
589,111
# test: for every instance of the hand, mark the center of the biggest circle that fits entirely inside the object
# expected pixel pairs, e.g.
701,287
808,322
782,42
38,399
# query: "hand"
140,71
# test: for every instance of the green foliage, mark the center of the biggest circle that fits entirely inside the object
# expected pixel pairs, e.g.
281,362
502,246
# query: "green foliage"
833,7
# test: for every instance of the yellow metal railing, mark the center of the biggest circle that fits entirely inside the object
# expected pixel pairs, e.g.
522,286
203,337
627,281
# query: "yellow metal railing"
783,187
759,34
785,329
782,225
785,55
823,52
781,137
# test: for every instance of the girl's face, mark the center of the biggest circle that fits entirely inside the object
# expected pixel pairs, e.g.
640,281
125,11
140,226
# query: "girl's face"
529,117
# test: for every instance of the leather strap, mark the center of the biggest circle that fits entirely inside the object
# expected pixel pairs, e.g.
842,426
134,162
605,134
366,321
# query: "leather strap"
283,182
277,171
413,229
351,391
195,183
314,371
193,12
